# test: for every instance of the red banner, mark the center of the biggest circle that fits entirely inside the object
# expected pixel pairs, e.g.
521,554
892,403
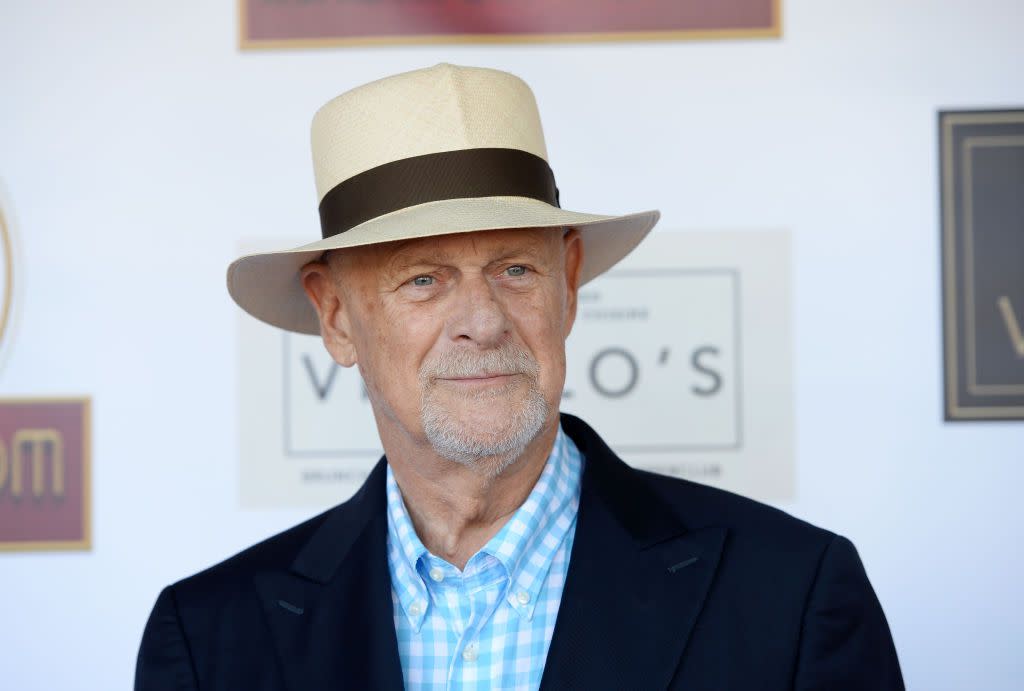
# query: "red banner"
44,474
273,23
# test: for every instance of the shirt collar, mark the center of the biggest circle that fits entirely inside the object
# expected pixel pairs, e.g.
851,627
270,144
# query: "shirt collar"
525,545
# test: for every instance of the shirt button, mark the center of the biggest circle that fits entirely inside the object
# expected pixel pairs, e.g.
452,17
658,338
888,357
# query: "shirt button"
437,574
523,597
469,654
415,609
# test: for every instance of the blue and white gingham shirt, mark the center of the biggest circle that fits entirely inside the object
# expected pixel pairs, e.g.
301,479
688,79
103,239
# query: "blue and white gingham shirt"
488,626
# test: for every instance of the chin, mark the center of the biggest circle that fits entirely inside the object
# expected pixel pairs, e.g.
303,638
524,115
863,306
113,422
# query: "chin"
494,428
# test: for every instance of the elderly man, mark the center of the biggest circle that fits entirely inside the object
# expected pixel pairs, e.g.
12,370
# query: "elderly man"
499,544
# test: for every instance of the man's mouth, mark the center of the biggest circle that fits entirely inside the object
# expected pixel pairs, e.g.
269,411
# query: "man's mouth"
486,375
480,379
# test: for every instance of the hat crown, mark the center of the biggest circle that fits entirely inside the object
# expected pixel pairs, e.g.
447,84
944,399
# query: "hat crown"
441,108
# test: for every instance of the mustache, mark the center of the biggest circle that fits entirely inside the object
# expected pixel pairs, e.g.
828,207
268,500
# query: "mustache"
506,359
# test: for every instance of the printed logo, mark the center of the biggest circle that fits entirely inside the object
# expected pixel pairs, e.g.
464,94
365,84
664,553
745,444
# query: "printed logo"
44,474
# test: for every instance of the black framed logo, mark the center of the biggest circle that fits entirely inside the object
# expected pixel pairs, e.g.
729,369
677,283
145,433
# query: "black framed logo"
982,161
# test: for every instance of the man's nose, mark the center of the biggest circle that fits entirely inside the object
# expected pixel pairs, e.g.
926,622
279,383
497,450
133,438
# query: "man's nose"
477,315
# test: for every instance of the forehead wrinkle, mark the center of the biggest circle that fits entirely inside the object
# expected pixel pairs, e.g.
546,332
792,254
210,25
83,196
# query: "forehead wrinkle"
538,249
505,243
541,247
409,253
374,259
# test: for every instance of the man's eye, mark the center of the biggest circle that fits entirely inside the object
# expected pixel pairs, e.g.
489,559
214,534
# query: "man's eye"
423,281
516,270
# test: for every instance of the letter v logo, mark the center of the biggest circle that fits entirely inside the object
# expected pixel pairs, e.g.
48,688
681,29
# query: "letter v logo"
321,388
1012,325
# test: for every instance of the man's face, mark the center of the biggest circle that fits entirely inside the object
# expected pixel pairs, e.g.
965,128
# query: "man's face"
459,338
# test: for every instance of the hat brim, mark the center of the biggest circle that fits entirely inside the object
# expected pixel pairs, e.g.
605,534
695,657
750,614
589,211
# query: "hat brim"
267,285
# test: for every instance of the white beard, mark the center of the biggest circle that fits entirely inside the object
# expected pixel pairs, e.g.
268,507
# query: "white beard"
493,449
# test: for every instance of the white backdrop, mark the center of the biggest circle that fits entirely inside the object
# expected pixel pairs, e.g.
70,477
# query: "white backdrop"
138,145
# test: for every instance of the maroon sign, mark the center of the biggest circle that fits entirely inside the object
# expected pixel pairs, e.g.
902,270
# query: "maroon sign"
44,474
286,23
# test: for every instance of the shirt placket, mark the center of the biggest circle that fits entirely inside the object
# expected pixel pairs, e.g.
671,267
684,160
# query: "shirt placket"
480,594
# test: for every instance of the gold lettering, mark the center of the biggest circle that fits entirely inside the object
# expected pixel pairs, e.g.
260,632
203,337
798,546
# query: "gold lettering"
1012,326
37,441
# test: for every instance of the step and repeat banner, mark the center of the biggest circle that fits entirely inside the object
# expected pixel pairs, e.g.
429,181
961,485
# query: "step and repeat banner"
681,356
829,316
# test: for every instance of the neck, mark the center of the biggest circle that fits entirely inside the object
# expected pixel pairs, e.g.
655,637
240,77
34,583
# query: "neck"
457,508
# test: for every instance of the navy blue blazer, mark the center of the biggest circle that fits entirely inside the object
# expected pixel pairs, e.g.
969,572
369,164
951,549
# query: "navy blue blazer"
671,585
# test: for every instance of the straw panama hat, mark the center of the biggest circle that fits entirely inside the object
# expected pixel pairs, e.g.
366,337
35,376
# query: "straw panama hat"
441,150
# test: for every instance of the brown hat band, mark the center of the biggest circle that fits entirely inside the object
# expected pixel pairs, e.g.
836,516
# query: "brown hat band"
484,172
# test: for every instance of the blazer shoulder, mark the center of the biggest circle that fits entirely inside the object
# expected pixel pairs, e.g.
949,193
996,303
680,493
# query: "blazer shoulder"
328,532
752,525
701,506
274,553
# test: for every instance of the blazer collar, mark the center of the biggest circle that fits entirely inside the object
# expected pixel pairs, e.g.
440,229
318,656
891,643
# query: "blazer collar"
636,583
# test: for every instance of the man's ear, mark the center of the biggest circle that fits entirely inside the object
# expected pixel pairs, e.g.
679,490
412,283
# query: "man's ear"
331,307
573,246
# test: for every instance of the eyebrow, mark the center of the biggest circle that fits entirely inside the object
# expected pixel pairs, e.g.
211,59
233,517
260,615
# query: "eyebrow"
403,262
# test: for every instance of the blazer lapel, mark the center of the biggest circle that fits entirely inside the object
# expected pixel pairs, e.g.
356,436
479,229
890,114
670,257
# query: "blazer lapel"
636,583
331,613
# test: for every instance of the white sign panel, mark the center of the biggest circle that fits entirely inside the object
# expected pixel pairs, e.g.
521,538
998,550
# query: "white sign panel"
680,358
